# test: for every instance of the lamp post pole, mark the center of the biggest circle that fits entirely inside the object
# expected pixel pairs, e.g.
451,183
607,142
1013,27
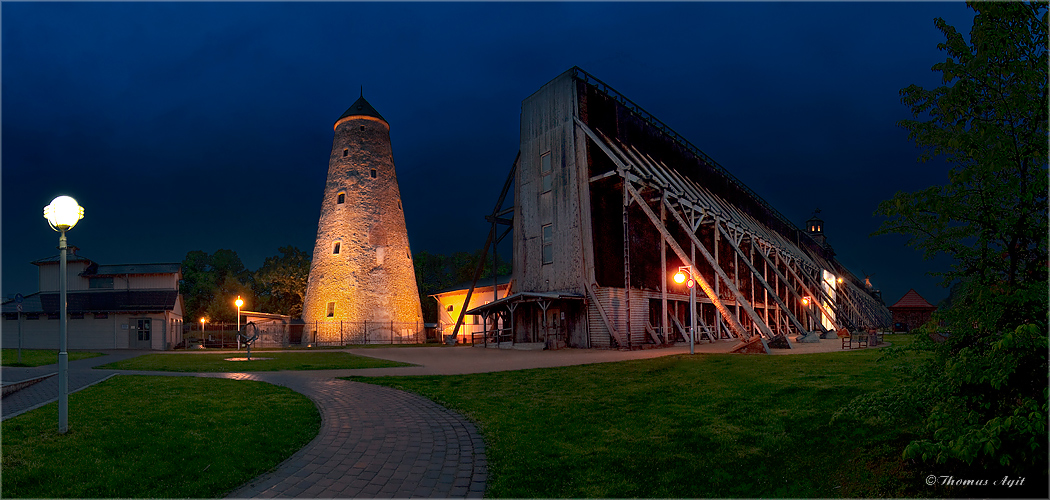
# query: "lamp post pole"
63,213
239,303
63,356
692,311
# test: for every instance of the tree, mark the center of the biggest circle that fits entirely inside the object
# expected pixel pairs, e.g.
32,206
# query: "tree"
280,284
437,272
984,390
211,282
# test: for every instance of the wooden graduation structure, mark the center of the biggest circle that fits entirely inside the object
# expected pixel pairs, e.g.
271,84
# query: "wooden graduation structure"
608,203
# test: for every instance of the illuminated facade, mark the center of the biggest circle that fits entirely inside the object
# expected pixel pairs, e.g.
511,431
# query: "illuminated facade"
609,203
361,272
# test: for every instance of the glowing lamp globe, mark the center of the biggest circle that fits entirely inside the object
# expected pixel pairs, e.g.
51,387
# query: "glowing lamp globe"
239,302
63,213
679,277
805,301
840,281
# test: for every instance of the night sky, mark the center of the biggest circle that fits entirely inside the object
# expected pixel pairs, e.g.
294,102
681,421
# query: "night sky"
196,126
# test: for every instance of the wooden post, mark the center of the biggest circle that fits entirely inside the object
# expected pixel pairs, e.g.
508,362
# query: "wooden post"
663,276
718,319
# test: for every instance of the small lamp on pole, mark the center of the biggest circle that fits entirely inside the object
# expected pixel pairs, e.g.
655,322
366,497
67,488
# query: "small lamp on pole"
685,275
62,214
239,303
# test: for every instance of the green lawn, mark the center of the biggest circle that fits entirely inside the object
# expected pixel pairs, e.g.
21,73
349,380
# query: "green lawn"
41,357
216,362
704,426
148,437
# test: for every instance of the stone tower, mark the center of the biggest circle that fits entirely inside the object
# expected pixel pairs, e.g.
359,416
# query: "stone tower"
362,267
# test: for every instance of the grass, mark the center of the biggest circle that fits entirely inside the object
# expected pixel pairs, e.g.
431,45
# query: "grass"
149,437
702,426
41,357
216,362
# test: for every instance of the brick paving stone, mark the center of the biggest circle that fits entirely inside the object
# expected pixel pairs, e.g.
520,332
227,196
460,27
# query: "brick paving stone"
373,440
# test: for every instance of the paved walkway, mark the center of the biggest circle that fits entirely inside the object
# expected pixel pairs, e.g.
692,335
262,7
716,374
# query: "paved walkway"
374,441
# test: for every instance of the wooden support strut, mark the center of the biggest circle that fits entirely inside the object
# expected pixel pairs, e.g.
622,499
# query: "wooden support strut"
790,288
762,280
811,294
735,325
741,301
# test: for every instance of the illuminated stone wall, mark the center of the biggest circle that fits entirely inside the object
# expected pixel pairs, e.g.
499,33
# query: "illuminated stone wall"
371,278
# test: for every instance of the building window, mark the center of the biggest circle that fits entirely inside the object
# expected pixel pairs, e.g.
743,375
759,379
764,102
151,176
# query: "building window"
345,152
373,173
15,315
335,248
449,308
101,315
546,172
340,198
362,128
76,315
331,310
548,244
32,315
52,315
100,282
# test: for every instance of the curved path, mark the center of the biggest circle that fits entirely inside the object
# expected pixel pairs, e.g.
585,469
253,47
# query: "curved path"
374,441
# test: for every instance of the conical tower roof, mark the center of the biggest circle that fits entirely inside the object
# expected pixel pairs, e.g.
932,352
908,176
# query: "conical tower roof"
362,108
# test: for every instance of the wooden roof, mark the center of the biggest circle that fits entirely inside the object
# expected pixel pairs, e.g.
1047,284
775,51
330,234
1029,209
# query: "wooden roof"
912,300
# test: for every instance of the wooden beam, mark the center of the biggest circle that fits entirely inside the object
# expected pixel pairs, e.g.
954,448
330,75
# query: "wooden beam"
764,283
605,318
733,323
720,273
789,288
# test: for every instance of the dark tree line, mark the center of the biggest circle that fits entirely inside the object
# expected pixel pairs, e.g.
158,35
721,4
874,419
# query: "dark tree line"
212,282
436,273
981,394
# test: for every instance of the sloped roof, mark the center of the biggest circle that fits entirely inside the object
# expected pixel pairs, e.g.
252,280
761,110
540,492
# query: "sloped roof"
70,257
117,269
361,107
913,300
483,283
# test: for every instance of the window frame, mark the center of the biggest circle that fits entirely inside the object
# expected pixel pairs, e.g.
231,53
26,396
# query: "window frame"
547,244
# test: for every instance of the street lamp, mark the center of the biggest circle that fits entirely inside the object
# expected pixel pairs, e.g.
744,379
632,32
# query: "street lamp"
239,303
680,277
202,331
62,214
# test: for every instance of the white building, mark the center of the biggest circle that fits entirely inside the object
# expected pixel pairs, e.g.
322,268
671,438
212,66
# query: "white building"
124,306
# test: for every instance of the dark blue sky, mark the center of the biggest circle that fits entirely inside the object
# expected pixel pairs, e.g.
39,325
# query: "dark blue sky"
199,126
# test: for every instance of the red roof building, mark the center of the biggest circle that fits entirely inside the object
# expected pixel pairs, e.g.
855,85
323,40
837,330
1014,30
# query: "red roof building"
911,311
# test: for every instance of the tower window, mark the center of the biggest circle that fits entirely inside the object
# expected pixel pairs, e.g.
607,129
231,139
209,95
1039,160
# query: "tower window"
331,310
362,128
340,198
335,248
346,152
548,244
449,308
373,173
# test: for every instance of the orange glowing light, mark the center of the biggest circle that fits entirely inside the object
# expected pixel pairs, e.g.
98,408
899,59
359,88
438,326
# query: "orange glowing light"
239,302
679,277
805,301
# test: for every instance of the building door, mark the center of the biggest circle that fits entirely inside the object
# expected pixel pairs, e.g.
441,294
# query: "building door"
141,332
553,330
